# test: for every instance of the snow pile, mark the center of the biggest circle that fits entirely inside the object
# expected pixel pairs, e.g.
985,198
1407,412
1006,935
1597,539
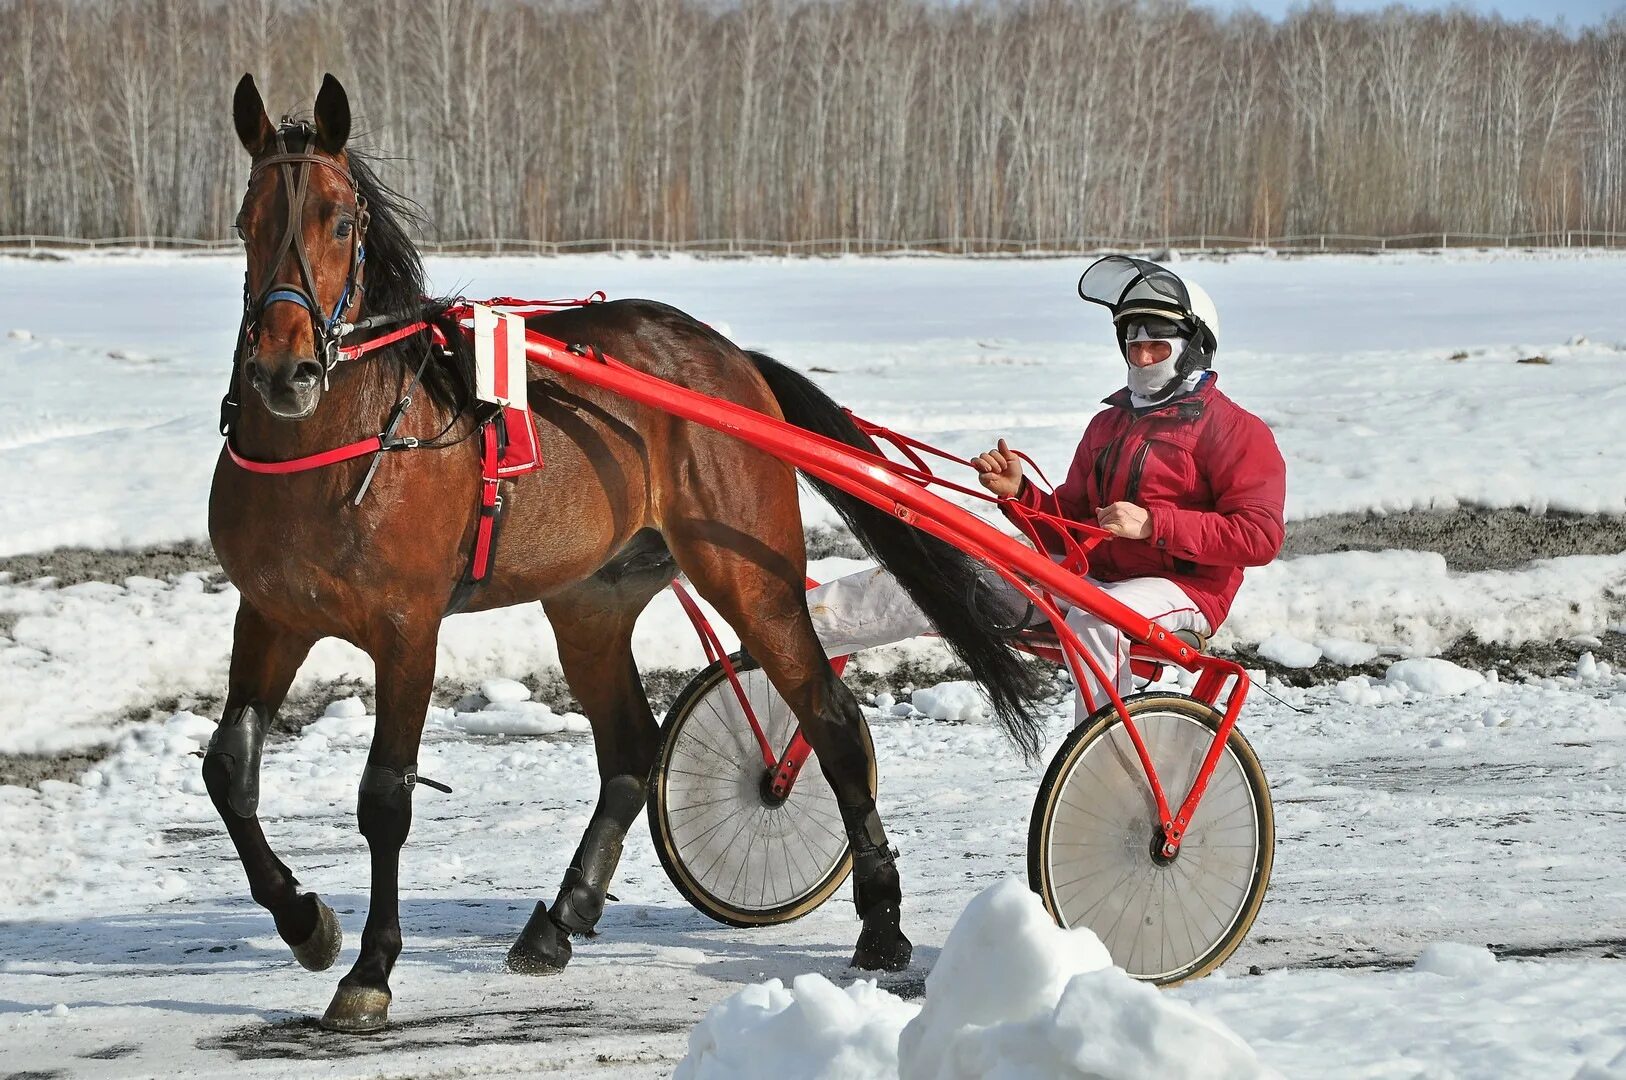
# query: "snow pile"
98,651
505,691
957,702
1455,959
1012,996
1410,603
510,718
1433,676
1289,651
813,1030
348,708
1347,652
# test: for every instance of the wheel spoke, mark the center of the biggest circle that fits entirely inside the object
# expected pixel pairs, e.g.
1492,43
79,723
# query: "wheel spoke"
736,854
1160,922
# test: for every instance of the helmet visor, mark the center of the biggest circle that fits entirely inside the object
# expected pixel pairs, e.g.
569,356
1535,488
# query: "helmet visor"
1124,285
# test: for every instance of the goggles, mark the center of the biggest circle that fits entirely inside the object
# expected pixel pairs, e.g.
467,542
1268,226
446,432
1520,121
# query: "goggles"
1160,348
1151,326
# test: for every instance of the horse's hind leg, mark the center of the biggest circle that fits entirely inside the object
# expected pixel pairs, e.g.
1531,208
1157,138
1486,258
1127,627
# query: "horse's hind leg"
593,624
761,592
264,658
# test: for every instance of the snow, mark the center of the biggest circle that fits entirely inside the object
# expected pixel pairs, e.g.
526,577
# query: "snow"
812,1029
97,651
1387,844
1011,997
967,349
510,718
138,643
1289,651
1431,675
1453,958
1412,602
1435,823
1347,357
504,691
958,702
350,708
1345,651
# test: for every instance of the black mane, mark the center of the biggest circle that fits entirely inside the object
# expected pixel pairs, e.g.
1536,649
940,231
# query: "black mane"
394,284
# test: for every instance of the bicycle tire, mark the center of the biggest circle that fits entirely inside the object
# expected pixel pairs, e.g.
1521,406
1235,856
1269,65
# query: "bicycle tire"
700,822
1093,833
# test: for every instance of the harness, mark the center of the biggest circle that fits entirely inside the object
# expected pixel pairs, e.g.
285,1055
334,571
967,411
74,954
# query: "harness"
508,444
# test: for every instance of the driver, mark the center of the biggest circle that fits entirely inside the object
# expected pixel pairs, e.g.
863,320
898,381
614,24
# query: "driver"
1190,485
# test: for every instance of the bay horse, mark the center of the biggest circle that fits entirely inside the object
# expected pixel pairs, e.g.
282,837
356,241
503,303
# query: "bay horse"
628,498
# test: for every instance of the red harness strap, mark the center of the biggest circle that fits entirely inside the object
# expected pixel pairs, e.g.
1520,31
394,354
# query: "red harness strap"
508,442
360,448
490,504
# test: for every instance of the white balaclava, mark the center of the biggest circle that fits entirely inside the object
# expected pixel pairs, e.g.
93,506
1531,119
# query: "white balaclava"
1147,385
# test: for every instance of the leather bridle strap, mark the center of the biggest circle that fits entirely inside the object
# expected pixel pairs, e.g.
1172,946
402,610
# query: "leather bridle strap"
296,177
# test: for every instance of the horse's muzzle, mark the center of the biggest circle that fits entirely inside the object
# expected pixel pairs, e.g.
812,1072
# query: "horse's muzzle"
290,389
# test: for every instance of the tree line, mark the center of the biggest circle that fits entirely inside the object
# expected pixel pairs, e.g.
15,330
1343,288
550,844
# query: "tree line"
794,120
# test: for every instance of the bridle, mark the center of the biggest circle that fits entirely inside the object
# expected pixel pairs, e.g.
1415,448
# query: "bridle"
327,329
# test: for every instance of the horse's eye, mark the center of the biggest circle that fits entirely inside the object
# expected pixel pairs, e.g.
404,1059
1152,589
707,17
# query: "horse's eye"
237,227
344,229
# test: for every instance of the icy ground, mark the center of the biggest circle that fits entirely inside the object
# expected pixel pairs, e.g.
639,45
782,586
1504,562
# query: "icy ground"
1490,818
1419,808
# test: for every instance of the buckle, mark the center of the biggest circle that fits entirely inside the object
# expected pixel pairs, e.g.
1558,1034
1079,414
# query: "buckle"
330,353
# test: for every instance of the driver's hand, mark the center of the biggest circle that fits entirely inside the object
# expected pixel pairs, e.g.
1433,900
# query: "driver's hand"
999,470
1125,519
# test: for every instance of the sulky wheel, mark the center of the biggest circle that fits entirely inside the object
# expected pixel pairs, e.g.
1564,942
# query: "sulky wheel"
1094,834
733,851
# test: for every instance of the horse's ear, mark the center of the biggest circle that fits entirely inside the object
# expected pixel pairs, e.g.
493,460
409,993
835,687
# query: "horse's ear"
248,113
332,116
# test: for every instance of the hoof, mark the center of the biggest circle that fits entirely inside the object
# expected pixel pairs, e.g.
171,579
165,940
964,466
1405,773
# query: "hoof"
317,952
882,948
357,1010
543,947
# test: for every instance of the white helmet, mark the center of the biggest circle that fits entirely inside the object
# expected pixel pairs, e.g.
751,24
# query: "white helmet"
1128,286
1203,311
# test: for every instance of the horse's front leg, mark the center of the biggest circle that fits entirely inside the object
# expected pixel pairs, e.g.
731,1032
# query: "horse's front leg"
406,675
264,658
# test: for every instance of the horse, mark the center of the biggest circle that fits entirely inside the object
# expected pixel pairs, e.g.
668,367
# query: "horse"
628,498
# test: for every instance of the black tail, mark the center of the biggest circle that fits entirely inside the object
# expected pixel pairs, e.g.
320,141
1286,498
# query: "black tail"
941,579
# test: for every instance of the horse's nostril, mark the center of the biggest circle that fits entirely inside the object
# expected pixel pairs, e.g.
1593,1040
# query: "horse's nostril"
307,373
257,375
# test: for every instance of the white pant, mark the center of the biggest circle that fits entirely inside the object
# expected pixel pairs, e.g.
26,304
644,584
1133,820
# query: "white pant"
870,608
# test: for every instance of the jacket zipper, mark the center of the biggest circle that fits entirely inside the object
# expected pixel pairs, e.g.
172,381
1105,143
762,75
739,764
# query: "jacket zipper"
1133,487
1107,463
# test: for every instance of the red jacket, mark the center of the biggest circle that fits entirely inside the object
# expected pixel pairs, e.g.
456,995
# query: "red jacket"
1210,475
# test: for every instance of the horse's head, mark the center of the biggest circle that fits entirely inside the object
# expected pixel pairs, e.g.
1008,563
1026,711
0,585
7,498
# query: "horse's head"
304,226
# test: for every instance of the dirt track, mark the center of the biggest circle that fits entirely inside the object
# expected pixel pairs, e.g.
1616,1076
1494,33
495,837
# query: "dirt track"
70,566
1470,539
